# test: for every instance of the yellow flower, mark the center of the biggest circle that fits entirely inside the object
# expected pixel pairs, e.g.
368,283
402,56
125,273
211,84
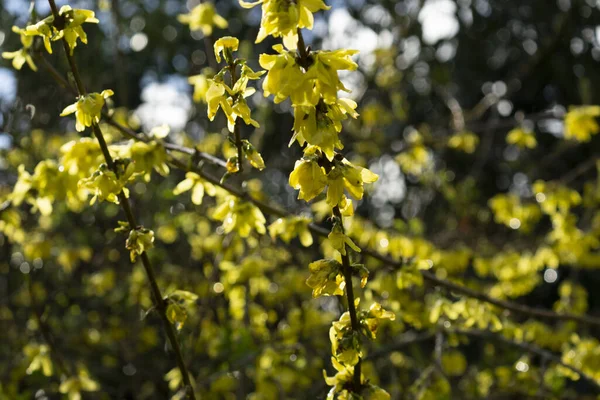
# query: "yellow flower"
201,84
340,380
39,356
286,79
345,345
324,71
73,386
345,175
465,141
72,30
87,109
373,318
231,101
289,228
308,176
146,156
45,30
326,278
283,18
20,57
240,215
197,185
139,241
522,138
581,124
339,240
105,185
226,45
319,126
203,17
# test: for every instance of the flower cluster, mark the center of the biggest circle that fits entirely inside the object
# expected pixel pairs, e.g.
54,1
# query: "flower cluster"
68,26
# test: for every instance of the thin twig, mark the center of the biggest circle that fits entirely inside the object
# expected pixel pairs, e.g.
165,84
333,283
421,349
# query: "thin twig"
124,201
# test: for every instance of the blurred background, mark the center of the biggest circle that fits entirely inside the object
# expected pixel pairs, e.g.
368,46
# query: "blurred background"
439,86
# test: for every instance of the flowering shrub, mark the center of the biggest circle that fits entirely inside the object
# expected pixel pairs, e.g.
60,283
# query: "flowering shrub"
332,303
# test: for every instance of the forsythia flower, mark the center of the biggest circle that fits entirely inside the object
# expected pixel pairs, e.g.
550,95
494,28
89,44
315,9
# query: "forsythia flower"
45,30
81,157
87,109
345,175
345,345
73,386
522,138
289,228
201,84
203,17
326,278
231,101
373,318
339,240
145,157
320,125
308,176
324,71
283,18
285,78
240,215
22,56
177,304
40,358
581,124
73,19
198,186
465,141
225,45
340,381
139,241
105,185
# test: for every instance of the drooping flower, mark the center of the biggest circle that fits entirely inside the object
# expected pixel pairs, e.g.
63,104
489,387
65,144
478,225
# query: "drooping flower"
240,215
465,141
339,240
197,185
581,123
22,56
320,126
308,175
283,18
286,78
139,241
201,84
203,17
521,137
87,109
225,45
291,227
326,278
232,100
345,175
72,30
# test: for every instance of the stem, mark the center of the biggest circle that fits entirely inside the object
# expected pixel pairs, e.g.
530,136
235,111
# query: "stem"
347,271
158,298
236,127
